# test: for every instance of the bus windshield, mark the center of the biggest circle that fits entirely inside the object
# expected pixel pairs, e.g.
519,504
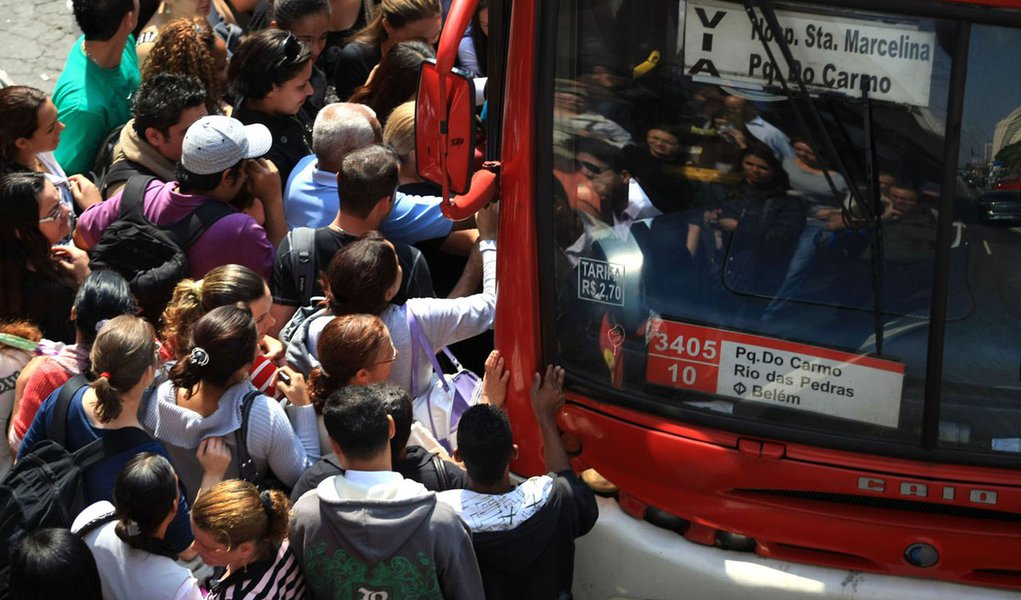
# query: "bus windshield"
746,212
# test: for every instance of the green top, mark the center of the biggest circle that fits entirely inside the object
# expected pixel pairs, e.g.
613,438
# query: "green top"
91,101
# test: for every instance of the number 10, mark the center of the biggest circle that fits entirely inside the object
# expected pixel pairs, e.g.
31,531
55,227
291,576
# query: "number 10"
687,374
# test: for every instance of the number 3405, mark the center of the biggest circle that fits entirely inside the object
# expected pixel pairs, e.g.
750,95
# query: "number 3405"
691,347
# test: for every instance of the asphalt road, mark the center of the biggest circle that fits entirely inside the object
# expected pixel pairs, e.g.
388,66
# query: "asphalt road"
35,38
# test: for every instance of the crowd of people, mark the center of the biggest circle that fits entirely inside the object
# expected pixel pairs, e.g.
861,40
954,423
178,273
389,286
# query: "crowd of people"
221,263
727,211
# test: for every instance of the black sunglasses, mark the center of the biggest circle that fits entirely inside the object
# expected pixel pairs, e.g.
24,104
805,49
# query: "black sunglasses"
594,168
292,49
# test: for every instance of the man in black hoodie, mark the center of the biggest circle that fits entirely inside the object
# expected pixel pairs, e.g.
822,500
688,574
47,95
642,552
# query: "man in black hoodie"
523,535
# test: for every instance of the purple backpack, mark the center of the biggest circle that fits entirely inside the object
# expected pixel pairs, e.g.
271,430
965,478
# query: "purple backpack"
461,390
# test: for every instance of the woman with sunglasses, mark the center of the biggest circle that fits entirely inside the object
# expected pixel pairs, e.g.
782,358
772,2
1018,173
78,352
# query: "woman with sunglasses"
243,534
225,285
39,278
394,21
268,79
124,365
29,133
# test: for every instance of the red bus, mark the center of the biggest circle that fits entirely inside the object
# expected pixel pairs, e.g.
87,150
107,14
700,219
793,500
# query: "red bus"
793,342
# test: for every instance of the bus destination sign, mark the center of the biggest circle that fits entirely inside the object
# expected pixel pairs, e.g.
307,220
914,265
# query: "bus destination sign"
775,372
834,54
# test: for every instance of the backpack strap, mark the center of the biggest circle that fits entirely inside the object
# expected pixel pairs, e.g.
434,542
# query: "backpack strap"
188,229
122,170
246,466
303,261
96,523
58,430
441,471
419,342
133,197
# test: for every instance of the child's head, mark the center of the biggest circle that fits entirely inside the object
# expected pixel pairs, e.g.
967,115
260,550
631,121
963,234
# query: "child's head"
485,443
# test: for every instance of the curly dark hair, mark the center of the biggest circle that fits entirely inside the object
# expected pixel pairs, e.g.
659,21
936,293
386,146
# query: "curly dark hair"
185,47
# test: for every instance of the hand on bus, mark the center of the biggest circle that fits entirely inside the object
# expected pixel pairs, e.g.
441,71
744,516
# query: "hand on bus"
548,394
488,221
494,382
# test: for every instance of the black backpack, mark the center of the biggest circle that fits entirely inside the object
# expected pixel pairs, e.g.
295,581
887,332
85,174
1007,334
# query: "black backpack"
246,464
46,487
118,173
150,257
104,156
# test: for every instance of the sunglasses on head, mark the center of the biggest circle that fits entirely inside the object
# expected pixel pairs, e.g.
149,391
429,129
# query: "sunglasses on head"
292,49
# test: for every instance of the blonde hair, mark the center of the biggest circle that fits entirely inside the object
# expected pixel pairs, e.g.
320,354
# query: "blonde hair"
227,284
235,512
399,132
397,13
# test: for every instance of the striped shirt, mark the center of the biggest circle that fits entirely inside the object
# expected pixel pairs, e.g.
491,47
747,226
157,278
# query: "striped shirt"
277,578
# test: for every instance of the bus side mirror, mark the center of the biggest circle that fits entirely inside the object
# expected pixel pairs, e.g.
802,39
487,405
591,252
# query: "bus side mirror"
456,119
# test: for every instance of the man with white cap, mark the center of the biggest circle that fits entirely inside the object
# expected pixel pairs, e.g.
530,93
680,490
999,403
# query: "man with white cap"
218,155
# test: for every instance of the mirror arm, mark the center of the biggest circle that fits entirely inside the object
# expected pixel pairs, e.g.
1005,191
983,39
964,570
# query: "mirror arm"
484,185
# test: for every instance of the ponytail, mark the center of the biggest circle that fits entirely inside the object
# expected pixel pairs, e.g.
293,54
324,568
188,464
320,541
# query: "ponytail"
144,496
184,309
221,342
124,349
235,512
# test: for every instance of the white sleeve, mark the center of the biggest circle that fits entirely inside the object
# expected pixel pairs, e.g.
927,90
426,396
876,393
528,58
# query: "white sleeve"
448,320
273,441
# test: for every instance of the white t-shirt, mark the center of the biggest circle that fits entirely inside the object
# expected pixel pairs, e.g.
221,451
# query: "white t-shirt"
130,574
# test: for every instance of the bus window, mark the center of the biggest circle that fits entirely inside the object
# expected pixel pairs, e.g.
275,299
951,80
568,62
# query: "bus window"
715,249
982,356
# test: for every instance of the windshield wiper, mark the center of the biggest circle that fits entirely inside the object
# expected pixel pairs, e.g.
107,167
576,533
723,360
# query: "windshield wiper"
869,210
801,93
875,205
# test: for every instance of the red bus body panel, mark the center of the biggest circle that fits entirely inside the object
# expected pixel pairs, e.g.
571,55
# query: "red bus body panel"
719,480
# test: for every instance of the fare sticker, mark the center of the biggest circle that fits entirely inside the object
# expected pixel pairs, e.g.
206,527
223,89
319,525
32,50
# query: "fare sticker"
601,281
776,372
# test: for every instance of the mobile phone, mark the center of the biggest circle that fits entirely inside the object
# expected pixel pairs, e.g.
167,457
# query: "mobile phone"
282,376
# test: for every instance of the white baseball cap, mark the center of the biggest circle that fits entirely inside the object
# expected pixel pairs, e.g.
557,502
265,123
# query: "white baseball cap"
216,143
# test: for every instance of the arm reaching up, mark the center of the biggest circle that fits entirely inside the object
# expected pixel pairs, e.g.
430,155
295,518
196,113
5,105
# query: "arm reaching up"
547,398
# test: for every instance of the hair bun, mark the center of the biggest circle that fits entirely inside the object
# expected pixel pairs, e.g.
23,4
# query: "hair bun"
198,357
